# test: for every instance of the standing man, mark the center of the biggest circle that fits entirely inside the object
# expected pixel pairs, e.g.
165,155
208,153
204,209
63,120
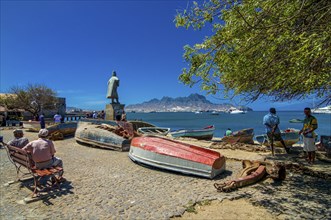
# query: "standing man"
271,122
102,114
42,121
57,118
309,126
113,83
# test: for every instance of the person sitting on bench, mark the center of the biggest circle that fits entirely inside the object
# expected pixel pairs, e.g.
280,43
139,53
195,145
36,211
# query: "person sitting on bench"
19,141
42,152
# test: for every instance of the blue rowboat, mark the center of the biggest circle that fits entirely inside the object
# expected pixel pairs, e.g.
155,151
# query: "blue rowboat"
206,133
153,131
289,137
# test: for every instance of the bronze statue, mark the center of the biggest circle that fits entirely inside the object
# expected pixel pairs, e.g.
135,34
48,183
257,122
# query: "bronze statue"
113,83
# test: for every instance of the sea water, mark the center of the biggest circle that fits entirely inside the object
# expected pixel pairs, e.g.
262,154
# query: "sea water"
223,121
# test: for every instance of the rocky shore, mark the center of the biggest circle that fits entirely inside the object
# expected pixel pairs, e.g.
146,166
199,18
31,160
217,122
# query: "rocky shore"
104,184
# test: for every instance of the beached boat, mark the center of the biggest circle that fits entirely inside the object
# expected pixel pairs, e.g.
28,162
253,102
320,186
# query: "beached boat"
153,131
206,133
31,125
290,137
66,129
176,156
241,136
101,133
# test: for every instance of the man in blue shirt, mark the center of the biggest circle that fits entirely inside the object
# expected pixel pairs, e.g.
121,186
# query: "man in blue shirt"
271,122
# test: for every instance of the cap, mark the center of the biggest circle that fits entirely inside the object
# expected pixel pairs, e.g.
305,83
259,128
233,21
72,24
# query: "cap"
43,133
18,131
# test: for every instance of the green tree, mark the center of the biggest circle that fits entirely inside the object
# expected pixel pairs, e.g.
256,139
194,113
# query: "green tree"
31,98
275,48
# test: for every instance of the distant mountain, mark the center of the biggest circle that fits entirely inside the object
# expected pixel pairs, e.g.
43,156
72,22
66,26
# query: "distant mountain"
191,103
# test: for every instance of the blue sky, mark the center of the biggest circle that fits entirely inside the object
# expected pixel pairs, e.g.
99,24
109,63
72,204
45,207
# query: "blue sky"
73,47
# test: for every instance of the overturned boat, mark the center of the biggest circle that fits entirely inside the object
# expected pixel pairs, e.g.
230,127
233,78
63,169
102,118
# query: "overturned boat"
176,156
206,133
241,136
104,134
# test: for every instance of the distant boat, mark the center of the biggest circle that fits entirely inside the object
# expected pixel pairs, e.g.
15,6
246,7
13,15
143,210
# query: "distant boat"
241,136
176,156
215,113
198,112
296,120
290,137
323,110
206,133
237,111
154,131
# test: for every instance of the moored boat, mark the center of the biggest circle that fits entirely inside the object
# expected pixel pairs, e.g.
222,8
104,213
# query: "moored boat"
290,137
323,110
176,156
206,133
241,136
153,131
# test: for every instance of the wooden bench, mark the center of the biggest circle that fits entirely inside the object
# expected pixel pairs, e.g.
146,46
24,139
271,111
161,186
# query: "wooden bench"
22,159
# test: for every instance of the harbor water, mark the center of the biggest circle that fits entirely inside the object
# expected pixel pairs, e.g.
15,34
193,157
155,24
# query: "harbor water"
190,120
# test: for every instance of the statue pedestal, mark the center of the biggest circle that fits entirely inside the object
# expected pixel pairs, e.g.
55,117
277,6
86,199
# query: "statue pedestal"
112,110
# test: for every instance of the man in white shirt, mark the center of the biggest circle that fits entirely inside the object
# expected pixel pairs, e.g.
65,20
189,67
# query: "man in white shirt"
57,118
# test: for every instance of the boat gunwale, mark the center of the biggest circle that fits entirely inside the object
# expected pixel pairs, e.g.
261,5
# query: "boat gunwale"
103,144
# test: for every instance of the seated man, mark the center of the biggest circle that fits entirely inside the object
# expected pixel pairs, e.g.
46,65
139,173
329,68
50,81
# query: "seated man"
19,141
42,151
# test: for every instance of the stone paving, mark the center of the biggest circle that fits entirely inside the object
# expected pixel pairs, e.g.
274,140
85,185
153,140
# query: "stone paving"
105,184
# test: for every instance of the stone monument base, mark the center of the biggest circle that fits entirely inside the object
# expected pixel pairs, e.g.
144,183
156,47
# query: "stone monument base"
112,110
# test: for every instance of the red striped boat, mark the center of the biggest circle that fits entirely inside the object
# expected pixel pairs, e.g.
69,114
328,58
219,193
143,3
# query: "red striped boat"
176,156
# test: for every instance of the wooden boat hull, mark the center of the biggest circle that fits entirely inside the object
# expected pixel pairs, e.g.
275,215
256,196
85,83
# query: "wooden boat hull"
247,139
176,156
66,129
154,131
241,136
88,133
31,125
202,134
289,138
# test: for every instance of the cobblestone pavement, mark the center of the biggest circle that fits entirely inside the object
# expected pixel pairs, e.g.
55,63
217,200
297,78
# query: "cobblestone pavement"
105,184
